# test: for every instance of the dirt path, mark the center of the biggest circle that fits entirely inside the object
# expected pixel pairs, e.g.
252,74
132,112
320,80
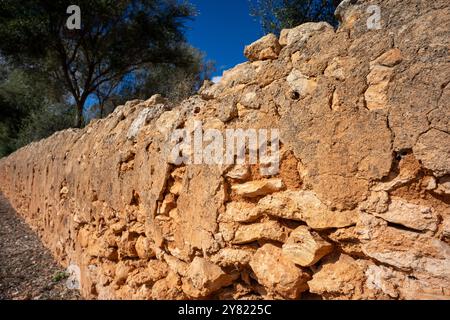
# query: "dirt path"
27,268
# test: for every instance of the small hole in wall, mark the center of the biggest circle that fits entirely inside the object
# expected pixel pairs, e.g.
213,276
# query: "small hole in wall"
180,125
135,199
294,95
402,153
147,148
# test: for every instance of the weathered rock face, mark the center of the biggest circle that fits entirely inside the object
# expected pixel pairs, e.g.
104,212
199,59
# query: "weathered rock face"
360,208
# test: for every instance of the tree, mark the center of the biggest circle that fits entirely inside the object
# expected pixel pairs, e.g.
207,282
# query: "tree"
275,15
117,38
174,82
31,108
43,122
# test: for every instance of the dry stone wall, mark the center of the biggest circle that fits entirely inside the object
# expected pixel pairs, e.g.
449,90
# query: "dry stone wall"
360,208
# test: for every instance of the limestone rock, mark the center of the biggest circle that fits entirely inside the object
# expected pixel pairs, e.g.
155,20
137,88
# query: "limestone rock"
169,202
239,172
389,58
379,78
446,227
432,150
443,186
197,222
240,212
410,215
143,118
168,288
343,278
348,240
121,273
270,230
258,188
204,278
127,245
157,269
227,111
409,168
399,286
232,257
168,121
378,81
251,98
405,250
301,84
155,100
143,248
338,68
263,49
305,206
277,274
305,248
377,202
300,34
102,248
176,265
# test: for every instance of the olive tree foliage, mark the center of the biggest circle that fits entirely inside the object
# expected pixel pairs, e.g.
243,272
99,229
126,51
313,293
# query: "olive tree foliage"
31,108
116,38
275,15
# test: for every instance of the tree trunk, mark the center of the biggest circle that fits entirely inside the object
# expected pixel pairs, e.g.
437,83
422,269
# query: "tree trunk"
79,119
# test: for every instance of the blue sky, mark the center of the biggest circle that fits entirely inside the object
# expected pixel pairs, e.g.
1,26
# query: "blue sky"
222,29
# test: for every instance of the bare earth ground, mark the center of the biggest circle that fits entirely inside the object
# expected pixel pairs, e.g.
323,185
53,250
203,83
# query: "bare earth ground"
27,268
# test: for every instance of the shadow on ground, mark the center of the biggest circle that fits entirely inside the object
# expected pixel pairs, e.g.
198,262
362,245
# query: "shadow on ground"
27,268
